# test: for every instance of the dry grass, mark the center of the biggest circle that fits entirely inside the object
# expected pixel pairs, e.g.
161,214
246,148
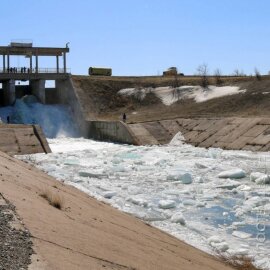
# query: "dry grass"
54,199
238,262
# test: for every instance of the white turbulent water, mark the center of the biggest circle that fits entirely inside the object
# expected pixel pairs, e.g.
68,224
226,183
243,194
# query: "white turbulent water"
210,213
55,120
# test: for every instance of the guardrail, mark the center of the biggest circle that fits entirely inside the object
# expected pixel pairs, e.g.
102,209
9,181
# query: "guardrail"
24,70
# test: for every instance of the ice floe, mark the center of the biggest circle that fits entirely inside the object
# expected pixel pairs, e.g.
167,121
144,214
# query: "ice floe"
171,186
178,139
109,194
179,175
94,174
234,173
260,178
241,235
178,218
166,204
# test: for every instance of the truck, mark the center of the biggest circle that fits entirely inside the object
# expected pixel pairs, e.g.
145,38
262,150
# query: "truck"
98,71
172,71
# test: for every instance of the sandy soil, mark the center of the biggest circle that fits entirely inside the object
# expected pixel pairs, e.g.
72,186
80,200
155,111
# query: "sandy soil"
86,233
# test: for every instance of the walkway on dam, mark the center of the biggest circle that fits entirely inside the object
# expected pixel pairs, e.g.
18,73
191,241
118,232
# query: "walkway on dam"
33,70
40,74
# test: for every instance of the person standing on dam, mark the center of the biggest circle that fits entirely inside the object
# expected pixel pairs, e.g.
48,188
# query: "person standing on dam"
124,117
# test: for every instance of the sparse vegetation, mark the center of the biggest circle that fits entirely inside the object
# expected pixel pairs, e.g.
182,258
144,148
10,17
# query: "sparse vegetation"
176,94
108,105
217,75
238,73
54,199
139,94
238,262
257,74
176,81
202,71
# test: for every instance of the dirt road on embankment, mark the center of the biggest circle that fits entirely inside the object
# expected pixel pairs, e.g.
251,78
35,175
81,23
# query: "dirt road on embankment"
86,233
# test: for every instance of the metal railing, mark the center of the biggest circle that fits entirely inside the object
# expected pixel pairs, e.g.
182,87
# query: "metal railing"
25,70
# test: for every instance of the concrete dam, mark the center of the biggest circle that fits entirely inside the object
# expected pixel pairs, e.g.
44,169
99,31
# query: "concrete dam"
230,130
240,122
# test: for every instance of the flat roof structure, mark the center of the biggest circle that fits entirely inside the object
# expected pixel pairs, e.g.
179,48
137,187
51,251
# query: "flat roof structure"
35,51
32,71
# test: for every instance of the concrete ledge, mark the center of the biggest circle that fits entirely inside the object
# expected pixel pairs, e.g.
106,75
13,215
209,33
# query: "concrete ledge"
42,139
22,139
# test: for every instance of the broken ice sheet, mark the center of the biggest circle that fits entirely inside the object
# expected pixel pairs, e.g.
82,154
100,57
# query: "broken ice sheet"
135,180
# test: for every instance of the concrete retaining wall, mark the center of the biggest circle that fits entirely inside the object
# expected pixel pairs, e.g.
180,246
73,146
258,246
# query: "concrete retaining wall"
227,133
22,139
113,131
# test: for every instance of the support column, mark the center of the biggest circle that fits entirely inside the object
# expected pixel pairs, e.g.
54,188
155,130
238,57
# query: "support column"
31,63
65,64
57,64
4,63
8,62
36,64
9,92
38,90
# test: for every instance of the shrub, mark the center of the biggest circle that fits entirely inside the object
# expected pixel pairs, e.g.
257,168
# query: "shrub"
202,71
54,199
257,74
240,262
217,75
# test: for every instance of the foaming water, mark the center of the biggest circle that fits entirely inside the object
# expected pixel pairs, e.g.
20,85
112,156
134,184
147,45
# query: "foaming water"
55,120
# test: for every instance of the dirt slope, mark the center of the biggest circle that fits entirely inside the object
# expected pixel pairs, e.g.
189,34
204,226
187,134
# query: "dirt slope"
87,234
99,97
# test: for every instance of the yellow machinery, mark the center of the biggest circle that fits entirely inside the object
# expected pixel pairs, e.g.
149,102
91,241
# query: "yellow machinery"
172,71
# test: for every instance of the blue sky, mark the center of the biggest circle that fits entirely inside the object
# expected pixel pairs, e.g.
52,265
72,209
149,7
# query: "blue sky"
144,37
